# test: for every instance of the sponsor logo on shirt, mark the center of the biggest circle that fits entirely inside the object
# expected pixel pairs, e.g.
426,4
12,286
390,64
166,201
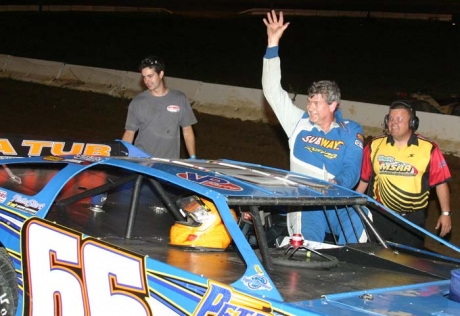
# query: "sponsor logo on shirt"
323,152
323,142
390,166
359,140
173,108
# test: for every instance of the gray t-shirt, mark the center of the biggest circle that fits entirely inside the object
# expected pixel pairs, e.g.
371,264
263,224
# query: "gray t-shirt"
158,121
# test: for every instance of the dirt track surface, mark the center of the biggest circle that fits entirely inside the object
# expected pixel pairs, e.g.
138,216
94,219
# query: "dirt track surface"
370,59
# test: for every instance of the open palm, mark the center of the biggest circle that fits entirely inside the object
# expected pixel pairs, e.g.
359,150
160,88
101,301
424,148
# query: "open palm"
275,27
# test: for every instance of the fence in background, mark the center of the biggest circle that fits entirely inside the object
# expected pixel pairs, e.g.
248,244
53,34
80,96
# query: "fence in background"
222,100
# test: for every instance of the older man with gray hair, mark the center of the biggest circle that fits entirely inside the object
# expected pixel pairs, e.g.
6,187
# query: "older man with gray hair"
322,143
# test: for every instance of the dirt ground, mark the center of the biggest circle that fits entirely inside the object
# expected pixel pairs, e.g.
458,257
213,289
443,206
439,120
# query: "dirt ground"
31,109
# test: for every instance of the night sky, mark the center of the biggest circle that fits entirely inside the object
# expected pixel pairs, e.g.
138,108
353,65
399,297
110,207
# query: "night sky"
427,6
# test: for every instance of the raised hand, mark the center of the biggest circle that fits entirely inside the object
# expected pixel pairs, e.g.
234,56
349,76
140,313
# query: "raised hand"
275,27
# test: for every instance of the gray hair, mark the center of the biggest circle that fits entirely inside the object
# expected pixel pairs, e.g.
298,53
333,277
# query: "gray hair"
328,89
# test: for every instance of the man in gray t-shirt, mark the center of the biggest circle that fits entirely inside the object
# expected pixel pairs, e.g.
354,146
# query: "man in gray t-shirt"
157,115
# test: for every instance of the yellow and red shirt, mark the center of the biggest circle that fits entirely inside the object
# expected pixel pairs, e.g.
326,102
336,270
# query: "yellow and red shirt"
401,178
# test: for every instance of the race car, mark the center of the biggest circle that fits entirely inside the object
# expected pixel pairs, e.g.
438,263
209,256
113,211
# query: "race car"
197,237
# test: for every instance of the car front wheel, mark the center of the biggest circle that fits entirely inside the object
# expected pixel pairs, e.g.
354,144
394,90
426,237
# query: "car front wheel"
8,285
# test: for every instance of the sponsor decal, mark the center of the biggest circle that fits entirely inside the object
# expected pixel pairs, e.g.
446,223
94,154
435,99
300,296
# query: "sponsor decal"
359,141
3,196
25,204
223,300
35,148
53,158
390,166
443,164
88,158
323,142
257,282
78,159
99,278
258,269
173,108
210,181
323,152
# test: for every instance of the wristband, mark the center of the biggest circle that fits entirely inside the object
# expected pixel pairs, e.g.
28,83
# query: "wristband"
193,157
445,213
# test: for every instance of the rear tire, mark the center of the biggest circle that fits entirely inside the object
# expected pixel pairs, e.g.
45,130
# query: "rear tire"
8,285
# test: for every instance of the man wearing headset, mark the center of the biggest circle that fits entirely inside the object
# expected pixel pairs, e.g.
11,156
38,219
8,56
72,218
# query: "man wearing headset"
399,169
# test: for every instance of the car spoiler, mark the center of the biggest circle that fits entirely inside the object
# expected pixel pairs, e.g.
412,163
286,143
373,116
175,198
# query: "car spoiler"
26,146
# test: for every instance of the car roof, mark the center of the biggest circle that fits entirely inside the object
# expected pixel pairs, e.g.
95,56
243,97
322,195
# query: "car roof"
241,183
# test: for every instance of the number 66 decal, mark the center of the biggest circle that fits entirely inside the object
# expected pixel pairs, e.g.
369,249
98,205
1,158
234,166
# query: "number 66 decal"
66,274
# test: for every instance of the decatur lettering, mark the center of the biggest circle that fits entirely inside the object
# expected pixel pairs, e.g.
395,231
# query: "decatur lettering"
38,147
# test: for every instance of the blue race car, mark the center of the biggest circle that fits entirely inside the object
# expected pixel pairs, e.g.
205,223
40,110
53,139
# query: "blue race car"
121,233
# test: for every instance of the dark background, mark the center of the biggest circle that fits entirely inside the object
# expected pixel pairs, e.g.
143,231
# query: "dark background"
431,6
371,59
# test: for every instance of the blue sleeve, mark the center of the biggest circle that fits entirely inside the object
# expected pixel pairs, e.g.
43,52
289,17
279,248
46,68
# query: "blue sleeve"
353,156
271,52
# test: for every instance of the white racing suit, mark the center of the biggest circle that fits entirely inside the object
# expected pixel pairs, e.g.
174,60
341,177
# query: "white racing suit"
336,155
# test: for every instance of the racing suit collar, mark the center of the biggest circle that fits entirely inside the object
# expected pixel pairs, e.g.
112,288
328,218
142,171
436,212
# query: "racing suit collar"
413,140
337,123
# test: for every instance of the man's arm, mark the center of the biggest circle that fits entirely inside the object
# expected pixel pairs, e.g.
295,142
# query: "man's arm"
439,175
444,222
362,186
366,170
189,139
287,113
351,164
128,136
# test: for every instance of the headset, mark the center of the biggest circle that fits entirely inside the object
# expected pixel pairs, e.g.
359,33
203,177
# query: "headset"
413,121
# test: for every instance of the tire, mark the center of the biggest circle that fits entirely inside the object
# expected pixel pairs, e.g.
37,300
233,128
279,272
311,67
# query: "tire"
8,285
